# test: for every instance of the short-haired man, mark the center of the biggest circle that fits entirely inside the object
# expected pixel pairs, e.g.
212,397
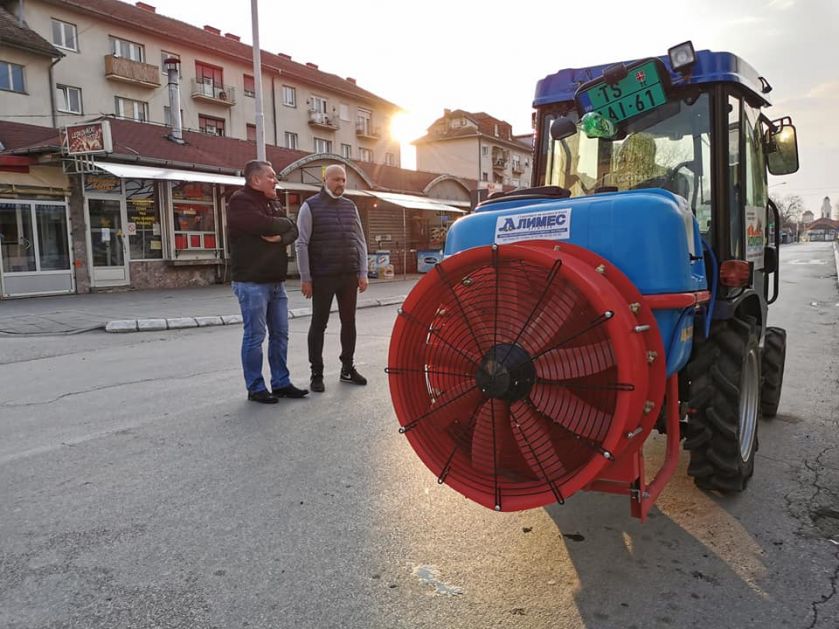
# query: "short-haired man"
259,233
332,260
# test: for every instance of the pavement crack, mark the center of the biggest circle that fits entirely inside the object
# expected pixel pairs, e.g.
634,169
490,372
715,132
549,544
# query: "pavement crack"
825,598
105,387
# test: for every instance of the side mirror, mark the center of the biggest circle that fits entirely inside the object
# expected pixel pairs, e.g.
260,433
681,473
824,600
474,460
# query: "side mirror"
782,147
562,128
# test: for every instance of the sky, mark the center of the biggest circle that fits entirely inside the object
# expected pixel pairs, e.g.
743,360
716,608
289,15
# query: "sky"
434,55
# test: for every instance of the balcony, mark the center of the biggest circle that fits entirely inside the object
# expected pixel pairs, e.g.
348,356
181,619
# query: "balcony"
499,163
323,120
210,92
134,72
518,168
363,129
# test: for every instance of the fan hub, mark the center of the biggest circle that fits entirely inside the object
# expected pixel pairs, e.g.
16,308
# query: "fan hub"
506,373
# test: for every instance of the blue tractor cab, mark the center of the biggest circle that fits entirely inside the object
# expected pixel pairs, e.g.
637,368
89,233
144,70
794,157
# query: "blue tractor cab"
659,166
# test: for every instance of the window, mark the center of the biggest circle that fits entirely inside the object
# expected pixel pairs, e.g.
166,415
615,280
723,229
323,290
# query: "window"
251,132
11,77
318,104
365,155
322,146
389,159
290,140
142,206
69,99
210,79
34,236
169,55
344,112
64,35
346,151
249,87
210,125
194,210
289,96
363,122
484,151
484,177
133,109
128,49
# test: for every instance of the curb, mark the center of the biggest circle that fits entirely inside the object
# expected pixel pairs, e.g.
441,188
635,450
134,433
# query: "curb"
123,326
836,257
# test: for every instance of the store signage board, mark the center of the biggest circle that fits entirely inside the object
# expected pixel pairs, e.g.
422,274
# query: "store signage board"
87,139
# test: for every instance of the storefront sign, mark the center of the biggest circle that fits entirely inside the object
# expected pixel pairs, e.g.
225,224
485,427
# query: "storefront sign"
82,139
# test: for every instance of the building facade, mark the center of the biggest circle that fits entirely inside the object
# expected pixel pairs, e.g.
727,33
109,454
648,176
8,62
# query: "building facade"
475,145
99,192
109,60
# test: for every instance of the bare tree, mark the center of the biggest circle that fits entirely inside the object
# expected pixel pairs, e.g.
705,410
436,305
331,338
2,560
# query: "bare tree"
790,208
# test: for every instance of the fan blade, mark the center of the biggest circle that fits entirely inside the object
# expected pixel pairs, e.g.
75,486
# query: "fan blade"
572,412
576,362
533,436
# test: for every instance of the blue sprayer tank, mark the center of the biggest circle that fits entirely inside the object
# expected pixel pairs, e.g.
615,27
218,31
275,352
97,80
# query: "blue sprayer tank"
650,235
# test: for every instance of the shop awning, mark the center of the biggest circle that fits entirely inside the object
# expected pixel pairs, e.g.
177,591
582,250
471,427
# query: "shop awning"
307,187
416,203
155,172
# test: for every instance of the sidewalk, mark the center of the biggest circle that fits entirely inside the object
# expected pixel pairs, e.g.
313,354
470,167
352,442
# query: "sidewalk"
148,310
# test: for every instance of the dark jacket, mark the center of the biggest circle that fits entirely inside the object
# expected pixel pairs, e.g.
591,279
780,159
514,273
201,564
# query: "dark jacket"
333,245
250,215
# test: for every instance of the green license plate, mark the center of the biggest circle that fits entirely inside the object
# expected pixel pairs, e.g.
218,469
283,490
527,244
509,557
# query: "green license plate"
640,91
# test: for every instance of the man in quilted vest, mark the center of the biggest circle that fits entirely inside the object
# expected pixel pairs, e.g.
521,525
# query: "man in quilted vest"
332,260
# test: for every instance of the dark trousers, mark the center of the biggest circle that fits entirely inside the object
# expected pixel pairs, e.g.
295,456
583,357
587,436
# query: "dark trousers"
345,289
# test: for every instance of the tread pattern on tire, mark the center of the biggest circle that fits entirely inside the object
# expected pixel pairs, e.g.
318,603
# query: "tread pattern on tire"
713,424
772,370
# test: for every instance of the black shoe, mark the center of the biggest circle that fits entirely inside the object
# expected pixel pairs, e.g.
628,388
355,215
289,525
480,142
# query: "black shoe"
317,384
290,391
263,397
352,376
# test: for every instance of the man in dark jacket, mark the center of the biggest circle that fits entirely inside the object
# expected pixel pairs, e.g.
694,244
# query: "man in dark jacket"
332,260
259,233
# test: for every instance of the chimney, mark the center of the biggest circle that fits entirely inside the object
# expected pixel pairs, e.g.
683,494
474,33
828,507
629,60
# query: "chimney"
212,29
351,80
311,65
232,36
145,7
284,56
172,72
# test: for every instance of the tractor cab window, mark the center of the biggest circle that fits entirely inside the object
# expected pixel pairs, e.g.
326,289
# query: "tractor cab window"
667,148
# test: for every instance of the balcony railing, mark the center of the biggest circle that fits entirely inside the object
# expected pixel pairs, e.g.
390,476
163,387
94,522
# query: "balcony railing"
364,129
210,92
518,168
499,162
128,71
323,120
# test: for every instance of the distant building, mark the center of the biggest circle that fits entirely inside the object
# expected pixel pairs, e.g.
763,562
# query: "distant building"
476,146
807,217
826,208
823,229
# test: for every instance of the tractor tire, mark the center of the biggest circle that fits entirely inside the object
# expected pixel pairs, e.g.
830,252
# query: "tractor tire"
772,367
723,386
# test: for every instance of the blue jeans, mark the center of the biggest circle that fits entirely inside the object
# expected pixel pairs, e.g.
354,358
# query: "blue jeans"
263,306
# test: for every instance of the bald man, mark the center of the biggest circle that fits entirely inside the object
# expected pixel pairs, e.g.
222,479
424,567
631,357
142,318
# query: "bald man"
332,260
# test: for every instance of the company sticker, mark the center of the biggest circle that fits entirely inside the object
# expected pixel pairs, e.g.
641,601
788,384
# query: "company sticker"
552,225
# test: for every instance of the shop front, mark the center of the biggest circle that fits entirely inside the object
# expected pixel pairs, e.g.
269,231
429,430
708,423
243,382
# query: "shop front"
34,234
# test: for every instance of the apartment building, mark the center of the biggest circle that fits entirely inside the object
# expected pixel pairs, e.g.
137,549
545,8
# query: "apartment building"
475,145
98,188
110,60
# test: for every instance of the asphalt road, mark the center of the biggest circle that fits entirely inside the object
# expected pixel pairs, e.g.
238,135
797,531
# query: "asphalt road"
138,488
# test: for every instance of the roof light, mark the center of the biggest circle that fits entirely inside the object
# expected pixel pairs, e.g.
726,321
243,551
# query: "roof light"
682,56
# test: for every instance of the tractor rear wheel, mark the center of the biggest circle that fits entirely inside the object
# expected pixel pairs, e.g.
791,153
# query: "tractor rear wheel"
723,382
772,365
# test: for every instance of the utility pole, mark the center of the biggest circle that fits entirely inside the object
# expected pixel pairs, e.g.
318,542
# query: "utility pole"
257,81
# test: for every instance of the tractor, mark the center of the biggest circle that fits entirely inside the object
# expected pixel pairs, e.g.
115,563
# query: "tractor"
625,291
